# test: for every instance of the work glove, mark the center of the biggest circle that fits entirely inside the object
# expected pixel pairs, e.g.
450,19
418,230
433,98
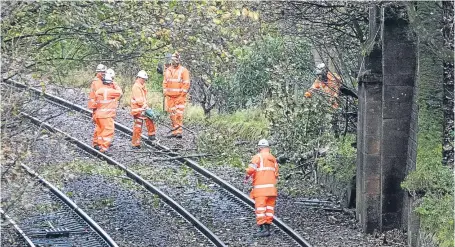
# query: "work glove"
307,95
93,115
245,180
281,159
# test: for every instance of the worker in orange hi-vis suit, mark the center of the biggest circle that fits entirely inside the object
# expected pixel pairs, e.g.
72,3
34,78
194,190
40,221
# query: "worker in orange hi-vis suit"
107,97
96,84
264,171
176,84
327,83
138,106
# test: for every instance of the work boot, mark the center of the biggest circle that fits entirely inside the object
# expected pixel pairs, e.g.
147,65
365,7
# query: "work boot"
108,154
136,147
262,232
96,147
171,136
267,227
179,136
152,137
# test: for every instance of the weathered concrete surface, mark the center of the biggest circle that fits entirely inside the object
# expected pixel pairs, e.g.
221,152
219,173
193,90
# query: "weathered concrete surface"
386,90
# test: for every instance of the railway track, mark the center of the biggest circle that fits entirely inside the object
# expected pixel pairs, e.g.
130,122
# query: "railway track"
129,212
131,174
232,232
21,239
65,224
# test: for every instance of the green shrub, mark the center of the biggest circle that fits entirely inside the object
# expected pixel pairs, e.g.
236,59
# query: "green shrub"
232,137
436,182
340,159
436,212
431,178
287,58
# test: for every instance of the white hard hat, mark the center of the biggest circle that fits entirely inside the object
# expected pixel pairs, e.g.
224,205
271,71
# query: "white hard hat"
175,57
142,74
320,66
320,69
263,143
167,58
108,78
110,72
101,68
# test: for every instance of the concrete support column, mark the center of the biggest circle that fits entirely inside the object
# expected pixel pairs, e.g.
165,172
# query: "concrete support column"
399,56
368,190
386,88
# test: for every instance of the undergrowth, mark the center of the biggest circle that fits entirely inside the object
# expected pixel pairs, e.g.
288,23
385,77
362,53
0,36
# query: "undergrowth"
432,183
340,160
232,138
435,181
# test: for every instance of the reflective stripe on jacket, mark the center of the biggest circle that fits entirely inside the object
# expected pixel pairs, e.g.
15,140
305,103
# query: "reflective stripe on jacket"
264,170
107,100
176,81
96,84
138,98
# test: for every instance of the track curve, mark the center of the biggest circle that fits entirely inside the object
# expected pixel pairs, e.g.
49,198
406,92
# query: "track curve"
189,162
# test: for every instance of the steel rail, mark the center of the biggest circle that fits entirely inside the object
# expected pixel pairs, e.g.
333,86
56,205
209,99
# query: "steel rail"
168,200
191,163
18,229
72,205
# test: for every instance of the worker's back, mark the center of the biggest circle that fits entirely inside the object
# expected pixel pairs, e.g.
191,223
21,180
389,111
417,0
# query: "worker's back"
265,176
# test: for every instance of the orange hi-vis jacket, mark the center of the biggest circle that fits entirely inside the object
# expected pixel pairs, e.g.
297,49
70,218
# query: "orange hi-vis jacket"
107,98
264,170
96,84
138,98
330,88
176,81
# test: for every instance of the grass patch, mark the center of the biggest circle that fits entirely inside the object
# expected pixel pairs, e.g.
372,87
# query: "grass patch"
232,137
47,208
60,173
169,175
103,203
249,124
194,114
79,167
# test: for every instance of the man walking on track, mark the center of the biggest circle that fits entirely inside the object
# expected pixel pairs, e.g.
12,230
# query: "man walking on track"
138,106
264,171
176,84
107,97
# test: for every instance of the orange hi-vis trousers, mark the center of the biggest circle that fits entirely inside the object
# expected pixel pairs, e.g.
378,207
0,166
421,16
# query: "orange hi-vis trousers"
95,133
175,107
265,209
137,129
104,133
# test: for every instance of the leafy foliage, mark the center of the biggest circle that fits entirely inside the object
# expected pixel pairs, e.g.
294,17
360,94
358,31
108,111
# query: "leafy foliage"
431,180
273,59
340,160
253,61
436,181
437,218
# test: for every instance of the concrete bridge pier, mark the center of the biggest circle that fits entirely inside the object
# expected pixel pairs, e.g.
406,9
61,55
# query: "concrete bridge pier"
386,89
